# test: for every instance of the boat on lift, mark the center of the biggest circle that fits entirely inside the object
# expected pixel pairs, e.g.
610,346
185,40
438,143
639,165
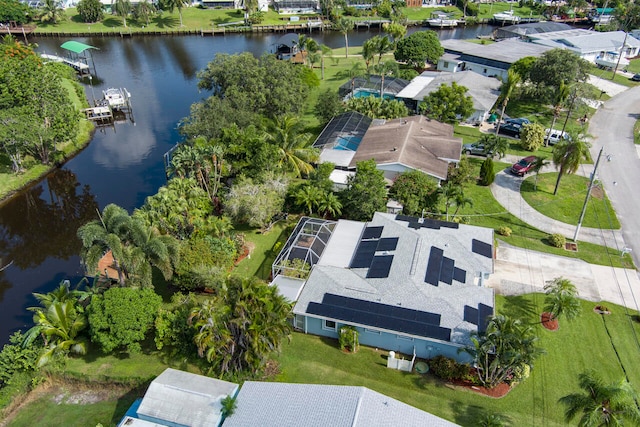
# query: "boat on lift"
441,19
506,17
117,98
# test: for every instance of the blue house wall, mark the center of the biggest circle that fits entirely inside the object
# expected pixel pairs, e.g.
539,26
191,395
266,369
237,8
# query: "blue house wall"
425,349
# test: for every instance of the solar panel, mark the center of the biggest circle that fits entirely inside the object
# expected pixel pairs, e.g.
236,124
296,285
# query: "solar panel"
364,254
438,333
481,248
433,266
459,275
372,233
387,244
470,314
446,273
380,267
484,312
406,218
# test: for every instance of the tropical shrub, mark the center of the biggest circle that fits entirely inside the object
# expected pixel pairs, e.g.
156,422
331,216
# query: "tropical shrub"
504,231
448,369
487,174
90,10
557,240
532,136
348,338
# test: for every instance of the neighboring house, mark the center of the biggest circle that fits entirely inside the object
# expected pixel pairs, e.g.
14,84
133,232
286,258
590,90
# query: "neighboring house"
360,87
491,60
288,48
410,285
484,91
177,398
588,44
522,30
268,404
294,7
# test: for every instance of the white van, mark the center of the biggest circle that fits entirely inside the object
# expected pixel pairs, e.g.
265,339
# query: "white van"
554,136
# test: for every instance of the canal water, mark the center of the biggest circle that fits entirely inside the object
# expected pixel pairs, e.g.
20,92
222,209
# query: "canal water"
122,165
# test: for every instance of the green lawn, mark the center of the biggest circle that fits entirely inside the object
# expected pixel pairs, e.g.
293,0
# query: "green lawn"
587,342
570,350
636,132
567,204
261,258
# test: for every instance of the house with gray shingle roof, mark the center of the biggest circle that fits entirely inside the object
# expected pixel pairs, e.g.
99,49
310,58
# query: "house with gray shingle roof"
415,286
268,404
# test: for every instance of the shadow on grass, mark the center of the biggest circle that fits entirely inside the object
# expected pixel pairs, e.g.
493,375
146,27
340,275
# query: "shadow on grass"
112,22
126,400
521,307
467,415
166,21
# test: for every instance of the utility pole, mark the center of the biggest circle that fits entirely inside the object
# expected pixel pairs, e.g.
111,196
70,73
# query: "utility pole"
624,43
586,199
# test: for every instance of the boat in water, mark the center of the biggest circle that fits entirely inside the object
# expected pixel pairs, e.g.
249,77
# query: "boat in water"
506,17
611,60
441,20
117,98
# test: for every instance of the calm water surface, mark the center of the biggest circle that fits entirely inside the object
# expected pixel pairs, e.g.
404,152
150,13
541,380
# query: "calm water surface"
121,165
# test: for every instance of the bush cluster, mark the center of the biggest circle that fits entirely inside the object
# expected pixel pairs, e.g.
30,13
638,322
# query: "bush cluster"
557,240
449,370
504,231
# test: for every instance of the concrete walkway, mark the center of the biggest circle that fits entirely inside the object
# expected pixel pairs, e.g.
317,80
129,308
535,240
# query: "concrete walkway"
506,190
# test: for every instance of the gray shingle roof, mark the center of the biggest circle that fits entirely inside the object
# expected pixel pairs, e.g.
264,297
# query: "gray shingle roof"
286,405
185,399
505,51
584,41
416,142
405,285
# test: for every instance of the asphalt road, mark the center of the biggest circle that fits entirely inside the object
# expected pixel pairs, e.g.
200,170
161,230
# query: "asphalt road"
612,128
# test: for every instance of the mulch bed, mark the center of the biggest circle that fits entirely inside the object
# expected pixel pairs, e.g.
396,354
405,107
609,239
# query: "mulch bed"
496,392
548,322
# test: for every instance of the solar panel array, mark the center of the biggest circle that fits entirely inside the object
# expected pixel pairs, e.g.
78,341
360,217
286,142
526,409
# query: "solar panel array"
417,223
481,248
383,316
478,316
365,255
442,269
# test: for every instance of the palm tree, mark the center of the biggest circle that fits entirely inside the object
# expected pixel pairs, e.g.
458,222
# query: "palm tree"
396,30
324,50
460,200
312,47
51,11
562,299
537,166
144,10
59,324
567,155
344,25
494,144
309,197
600,404
135,247
382,46
506,90
122,8
559,98
506,345
450,192
295,152
176,4
329,205
368,52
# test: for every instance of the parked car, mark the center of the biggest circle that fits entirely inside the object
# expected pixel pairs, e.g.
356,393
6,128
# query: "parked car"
636,77
511,129
555,136
523,166
518,121
477,149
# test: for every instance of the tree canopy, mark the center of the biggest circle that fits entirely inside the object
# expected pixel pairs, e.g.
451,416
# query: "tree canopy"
416,191
448,104
418,48
365,193
557,66
90,10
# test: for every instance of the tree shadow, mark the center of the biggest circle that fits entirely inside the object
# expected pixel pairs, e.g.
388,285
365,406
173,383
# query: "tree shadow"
520,307
473,414
126,400
165,21
112,22
228,17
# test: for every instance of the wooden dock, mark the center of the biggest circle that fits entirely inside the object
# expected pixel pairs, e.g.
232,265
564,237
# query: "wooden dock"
106,267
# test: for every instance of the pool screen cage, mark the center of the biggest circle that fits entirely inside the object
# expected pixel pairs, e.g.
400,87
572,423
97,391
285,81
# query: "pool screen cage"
307,243
347,125
392,85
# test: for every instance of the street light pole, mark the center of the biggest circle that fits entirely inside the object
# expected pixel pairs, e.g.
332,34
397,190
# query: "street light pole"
586,199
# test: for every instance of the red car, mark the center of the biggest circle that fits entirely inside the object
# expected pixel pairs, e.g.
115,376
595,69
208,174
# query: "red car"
523,166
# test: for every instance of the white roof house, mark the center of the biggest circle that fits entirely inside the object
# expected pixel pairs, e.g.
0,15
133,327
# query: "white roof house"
268,404
588,44
182,398
484,91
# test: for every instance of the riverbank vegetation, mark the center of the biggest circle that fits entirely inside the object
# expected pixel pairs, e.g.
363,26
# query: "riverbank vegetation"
176,279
